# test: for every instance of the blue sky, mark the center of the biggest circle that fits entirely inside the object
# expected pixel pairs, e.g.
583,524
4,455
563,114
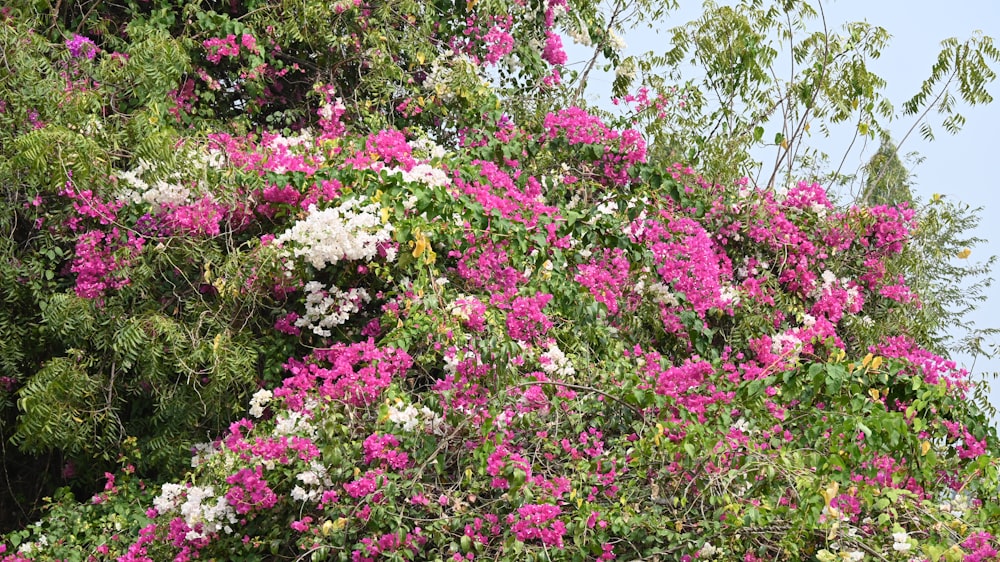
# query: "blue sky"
962,167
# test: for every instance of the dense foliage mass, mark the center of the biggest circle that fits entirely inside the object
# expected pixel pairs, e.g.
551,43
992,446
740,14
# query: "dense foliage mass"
351,281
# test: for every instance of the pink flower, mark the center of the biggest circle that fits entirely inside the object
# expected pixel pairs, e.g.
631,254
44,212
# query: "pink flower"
81,47
553,52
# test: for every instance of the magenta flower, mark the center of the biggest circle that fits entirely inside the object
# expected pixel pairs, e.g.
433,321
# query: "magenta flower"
81,47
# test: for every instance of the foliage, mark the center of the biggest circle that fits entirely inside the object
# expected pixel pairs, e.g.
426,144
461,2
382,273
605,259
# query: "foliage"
744,88
462,319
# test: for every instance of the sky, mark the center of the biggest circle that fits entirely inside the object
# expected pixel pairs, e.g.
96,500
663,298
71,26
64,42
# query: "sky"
959,167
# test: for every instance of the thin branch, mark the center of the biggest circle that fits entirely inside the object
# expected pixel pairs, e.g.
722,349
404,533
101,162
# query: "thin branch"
635,410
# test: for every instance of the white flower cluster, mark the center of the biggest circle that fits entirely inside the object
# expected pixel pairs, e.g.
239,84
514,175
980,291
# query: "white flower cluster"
901,542
259,401
462,307
830,279
168,190
581,36
617,42
956,506
842,556
819,209
190,502
425,174
730,295
708,551
745,270
29,548
294,423
201,452
347,232
315,481
607,208
784,342
659,292
424,147
555,362
144,183
741,425
326,308
444,71
410,418
304,138
558,10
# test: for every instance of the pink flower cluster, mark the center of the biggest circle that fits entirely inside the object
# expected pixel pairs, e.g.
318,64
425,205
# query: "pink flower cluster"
218,47
384,450
250,491
81,47
526,321
606,278
621,149
102,259
485,41
356,374
538,522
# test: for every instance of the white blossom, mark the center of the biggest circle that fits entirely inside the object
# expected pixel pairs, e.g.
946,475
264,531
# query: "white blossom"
259,401
411,418
326,308
554,362
194,504
346,232
707,551
900,542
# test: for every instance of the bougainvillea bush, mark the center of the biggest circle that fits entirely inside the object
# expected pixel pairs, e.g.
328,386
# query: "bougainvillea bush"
507,337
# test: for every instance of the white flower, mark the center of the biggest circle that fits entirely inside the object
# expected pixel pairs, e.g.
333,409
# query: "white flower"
741,425
784,342
617,43
202,452
608,208
410,418
326,308
554,362
661,294
309,478
900,542
425,174
581,36
819,209
730,295
346,232
169,498
259,400
300,494
190,503
294,423
707,551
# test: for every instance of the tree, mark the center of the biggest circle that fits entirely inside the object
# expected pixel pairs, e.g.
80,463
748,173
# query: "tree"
419,307
887,181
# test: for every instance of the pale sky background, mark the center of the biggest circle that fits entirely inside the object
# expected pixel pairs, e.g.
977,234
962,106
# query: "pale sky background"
964,166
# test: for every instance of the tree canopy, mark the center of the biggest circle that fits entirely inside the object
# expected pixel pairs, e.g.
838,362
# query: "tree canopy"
370,281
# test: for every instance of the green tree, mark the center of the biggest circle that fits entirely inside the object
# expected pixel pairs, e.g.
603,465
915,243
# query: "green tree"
418,303
887,180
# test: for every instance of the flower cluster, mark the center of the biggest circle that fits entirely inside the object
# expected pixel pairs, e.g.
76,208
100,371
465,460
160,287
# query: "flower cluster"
349,231
81,47
329,307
